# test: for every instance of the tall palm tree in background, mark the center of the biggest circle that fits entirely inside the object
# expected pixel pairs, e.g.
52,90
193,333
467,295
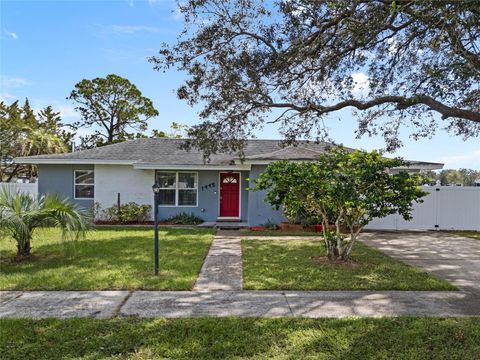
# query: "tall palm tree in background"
21,214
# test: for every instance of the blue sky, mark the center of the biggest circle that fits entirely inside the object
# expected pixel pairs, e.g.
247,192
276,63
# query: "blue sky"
48,46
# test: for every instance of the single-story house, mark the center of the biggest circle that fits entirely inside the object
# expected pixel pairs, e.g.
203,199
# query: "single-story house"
214,190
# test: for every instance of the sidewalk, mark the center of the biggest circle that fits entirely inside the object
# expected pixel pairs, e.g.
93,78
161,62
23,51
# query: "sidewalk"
313,304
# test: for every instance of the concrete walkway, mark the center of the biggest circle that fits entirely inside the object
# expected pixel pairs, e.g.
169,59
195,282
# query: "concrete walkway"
314,304
222,269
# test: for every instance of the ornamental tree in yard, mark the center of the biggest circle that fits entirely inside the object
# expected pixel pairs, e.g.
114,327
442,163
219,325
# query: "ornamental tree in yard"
345,188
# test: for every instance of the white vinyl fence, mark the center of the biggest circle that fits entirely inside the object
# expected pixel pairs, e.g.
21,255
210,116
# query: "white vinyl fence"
444,208
29,188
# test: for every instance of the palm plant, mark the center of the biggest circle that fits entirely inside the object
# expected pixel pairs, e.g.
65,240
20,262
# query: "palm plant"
21,214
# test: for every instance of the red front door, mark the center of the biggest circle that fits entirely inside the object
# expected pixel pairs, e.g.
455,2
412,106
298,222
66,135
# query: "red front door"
229,195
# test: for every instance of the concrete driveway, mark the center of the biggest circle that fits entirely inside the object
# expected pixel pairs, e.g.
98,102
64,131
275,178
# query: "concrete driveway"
452,257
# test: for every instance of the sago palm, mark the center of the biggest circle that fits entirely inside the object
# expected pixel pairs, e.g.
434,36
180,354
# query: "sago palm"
21,214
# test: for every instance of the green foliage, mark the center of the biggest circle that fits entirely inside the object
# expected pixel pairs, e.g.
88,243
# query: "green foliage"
21,214
184,218
127,213
469,234
24,133
347,188
401,65
465,177
211,338
113,104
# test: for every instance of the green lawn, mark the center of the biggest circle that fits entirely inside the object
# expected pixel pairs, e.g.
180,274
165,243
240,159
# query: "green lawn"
291,265
241,338
470,234
107,259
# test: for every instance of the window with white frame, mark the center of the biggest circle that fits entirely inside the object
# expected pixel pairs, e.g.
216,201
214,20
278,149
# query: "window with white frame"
177,188
83,184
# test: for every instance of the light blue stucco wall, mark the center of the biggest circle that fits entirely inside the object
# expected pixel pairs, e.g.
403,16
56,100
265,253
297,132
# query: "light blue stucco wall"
58,179
207,208
259,211
254,210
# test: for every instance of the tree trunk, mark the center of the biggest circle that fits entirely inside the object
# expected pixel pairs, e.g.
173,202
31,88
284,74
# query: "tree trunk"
23,250
333,253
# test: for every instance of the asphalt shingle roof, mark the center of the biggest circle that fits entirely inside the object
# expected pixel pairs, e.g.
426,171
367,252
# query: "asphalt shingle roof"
166,151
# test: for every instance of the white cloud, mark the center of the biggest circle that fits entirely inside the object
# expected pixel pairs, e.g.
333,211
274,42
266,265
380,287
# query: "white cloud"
11,34
361,82
67,111
463,160
132,29
9,82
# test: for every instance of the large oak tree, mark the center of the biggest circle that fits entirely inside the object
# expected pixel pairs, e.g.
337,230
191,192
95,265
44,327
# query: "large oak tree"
398,64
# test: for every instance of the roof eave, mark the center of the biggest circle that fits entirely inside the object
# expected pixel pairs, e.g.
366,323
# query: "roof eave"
156,166
427,166
35,161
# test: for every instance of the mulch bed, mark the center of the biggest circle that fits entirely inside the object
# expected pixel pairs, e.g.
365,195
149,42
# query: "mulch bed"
105,222
135,223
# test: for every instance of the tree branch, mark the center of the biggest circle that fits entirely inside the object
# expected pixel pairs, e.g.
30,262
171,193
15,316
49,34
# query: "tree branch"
400,101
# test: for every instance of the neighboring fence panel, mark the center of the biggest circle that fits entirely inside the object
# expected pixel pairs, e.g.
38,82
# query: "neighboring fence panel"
460,208
445,208
29,188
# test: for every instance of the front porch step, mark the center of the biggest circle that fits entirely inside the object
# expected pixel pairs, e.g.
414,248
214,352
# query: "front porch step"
225,225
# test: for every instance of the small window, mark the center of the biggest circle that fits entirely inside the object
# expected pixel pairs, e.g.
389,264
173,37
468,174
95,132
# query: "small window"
177,188
187,189
229,180
84,184
168,185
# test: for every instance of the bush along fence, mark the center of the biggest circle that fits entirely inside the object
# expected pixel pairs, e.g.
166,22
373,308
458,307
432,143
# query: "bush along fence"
133,213
129,213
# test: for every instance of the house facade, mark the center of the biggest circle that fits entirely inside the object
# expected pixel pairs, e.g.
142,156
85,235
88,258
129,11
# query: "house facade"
216,190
